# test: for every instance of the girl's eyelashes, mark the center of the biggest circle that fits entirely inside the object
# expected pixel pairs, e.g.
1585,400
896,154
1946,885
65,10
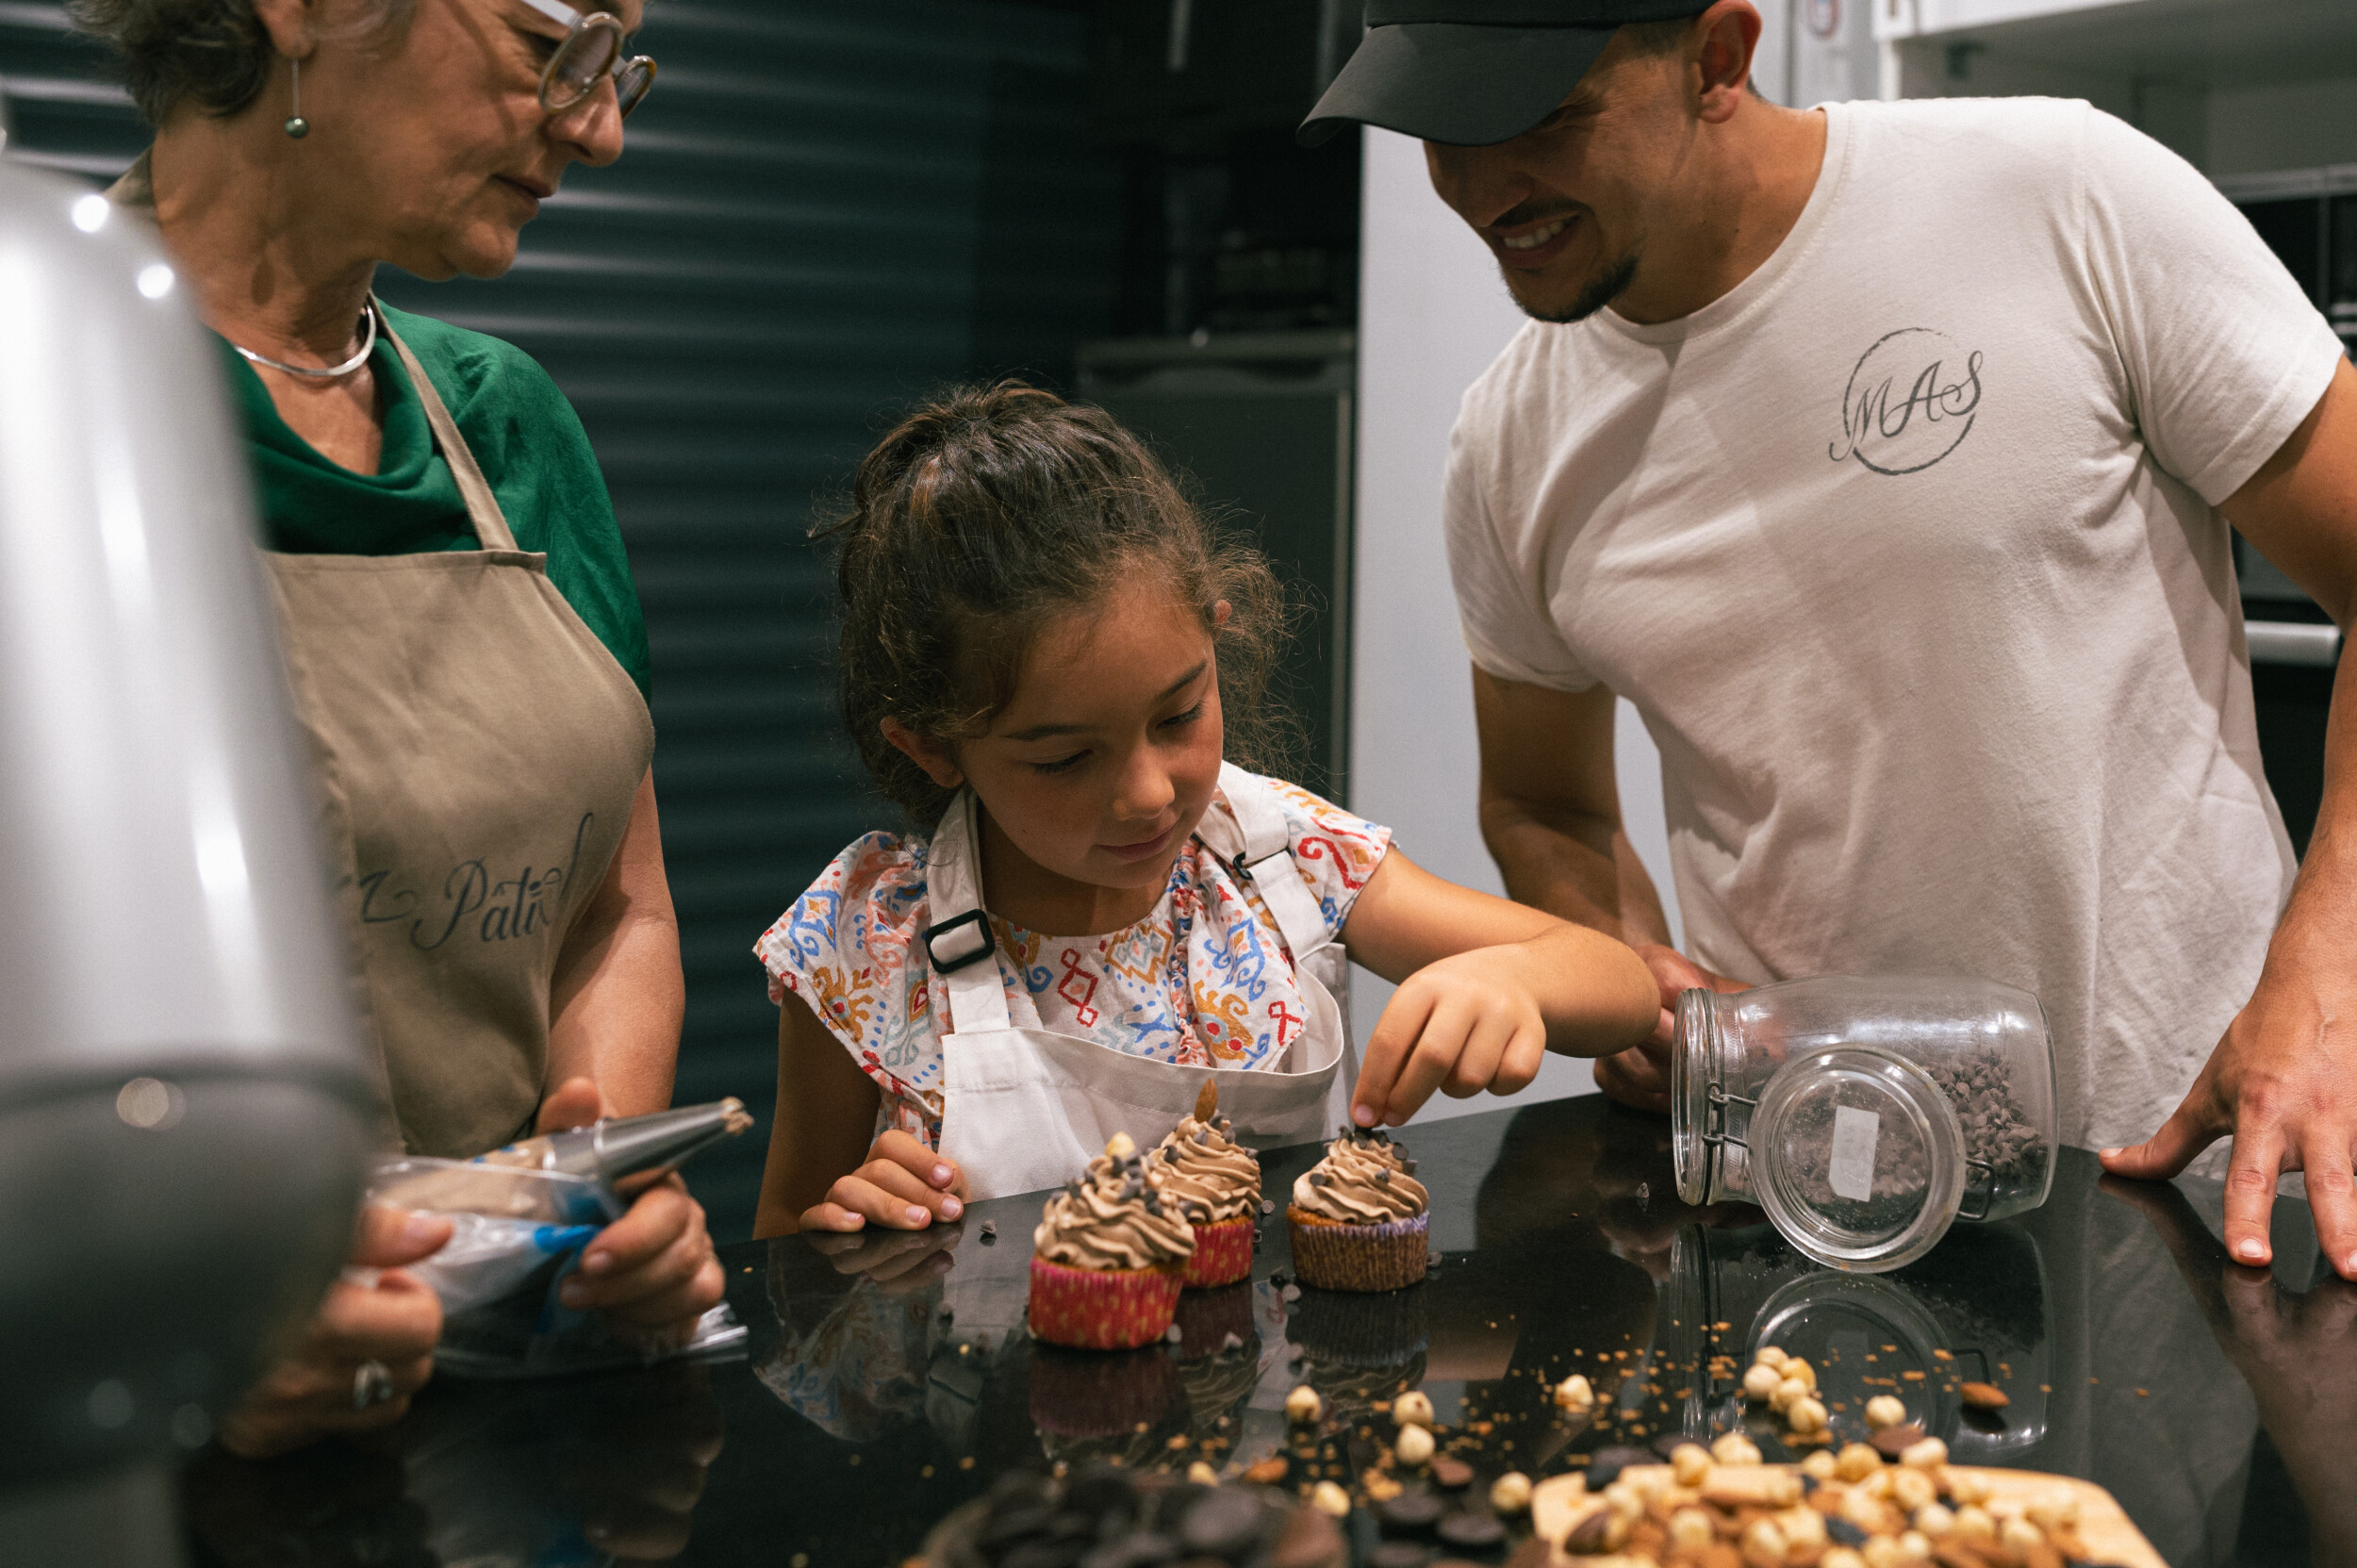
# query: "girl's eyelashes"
1062,765
1181,720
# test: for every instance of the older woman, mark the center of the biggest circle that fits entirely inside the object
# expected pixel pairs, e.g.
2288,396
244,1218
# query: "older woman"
457,615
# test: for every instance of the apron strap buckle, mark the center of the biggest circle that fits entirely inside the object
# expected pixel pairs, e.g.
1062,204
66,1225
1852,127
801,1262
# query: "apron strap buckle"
976,946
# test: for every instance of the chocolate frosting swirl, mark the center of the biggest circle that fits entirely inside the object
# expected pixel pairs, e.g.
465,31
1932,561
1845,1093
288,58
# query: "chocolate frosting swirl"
1114,1217
1365,1179
1208,1174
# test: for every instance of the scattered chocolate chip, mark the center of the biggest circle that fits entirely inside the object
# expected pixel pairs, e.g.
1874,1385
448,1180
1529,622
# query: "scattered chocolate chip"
1014,1522
1383,1178
1173,1334
1319,1179
1202,1134
1309,1540
1411,1510
1589,1539
1280,1278
1230,1342
1290,1292
947,1313
1893,1441
1845,1532
1170,1157
1432,1259
1222,1522
1473,1528
1607,1466
1399,1554
1451,1472
990,1231
1268,1206
1408,1167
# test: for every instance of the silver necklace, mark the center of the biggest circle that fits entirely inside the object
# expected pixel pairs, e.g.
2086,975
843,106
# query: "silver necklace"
368,345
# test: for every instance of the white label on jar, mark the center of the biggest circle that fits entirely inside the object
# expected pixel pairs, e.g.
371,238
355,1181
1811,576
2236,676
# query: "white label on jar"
1854,1134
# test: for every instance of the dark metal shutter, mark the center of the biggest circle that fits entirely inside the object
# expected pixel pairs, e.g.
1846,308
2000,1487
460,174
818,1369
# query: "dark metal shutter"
824,211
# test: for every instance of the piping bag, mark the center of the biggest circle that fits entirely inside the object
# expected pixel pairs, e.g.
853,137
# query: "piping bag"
521,1217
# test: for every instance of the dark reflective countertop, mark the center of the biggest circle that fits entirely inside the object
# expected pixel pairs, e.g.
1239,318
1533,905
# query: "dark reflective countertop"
889,1377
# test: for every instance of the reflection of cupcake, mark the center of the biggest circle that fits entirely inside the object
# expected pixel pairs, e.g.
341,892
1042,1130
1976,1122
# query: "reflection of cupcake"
1215,1182
1386,1329
1076,1396
1108,1257
1359,1217
1209,1319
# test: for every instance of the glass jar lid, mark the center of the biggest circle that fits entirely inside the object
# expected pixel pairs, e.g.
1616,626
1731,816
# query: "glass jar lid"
1857,1157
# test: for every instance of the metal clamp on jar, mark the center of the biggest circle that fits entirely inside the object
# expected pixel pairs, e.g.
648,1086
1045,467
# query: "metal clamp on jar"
1865,1115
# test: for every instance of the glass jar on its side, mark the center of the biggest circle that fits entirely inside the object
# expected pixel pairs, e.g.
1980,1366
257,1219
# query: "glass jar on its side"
1865,1115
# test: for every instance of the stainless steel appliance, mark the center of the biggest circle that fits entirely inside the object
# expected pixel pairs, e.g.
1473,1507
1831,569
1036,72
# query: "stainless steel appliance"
183,1099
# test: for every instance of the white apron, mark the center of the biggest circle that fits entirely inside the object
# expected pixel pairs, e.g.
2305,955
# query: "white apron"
1025,1109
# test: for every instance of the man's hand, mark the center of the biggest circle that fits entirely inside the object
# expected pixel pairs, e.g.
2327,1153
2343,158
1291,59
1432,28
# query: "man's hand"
394,1320
2279,1082
1640,1078
903,1186
653,1272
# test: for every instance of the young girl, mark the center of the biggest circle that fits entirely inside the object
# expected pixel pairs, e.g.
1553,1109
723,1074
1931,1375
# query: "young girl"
1047,655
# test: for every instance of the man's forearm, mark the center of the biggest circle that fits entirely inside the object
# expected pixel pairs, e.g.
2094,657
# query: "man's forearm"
1578,866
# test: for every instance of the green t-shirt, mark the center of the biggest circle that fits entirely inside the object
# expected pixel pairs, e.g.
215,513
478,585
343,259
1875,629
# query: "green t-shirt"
525,438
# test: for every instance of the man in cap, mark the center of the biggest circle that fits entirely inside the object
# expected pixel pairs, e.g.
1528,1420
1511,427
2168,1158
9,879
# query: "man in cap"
1882,455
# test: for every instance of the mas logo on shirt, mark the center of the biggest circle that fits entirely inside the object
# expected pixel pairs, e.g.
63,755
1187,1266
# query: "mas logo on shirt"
1911,401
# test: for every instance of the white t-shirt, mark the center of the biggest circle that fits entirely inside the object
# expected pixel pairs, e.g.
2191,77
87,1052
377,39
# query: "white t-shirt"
1904,551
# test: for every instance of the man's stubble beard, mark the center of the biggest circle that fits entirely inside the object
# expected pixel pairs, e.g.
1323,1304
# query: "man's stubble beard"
1609,284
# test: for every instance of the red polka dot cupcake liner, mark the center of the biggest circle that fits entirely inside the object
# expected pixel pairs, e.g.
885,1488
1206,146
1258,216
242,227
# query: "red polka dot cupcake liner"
1223,1253
1099,1309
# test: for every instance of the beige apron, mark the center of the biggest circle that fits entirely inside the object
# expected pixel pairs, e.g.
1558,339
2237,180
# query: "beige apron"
478,751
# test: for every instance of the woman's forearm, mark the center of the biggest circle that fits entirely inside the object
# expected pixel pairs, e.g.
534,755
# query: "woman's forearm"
618,997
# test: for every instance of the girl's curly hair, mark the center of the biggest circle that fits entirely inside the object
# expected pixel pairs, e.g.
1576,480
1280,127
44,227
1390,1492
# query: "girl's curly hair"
990,512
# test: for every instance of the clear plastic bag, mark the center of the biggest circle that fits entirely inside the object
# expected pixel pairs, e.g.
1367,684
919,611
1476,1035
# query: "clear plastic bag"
517,1234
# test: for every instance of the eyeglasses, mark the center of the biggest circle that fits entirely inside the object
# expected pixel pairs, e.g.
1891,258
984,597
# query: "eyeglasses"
592,48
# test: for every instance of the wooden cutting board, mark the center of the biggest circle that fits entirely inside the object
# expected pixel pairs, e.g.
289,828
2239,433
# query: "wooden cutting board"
2103,1525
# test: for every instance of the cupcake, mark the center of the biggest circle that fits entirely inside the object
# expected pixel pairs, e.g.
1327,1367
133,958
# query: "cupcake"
1359,1217
1108,1257
1215,1182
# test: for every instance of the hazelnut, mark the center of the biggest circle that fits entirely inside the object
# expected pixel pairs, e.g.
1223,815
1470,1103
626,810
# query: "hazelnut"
1763,1544
1856,1461
1328,1498
2019,1539
1412,1409
1510,1492
1841,1556
1885,1411
1795,1367
1202,1474
1303,1407
1973,1523
1120,1146
1787,1392
1770,1356
1573,1394
1929,1453
1414,1446
2056,1508
1819,1466
1933,1520
1965,1487
1760,1382
1805,1415
1911,1490
1688,1463
1690,1530
1735,1448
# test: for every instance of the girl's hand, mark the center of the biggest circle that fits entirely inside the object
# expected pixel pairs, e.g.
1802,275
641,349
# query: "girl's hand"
902,1186
1462,1025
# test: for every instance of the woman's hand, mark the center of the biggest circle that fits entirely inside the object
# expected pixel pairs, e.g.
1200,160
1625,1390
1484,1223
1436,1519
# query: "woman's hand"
903,1186
393,1319
1460,1026
653,1272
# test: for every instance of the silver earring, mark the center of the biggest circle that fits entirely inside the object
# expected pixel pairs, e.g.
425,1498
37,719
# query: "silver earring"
297,126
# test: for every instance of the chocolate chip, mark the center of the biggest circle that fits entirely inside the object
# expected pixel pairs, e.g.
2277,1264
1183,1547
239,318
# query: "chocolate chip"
1319,1179
1383,1178
990,1231
1223,1521
1408,1167
1290,1292
1432,1259
1589,1539
1845,1532
1170,1157
1607,1466
1399,1554
1473,1528
1174,1334
1451,1472
1229,1341
1268,1206
1411,1510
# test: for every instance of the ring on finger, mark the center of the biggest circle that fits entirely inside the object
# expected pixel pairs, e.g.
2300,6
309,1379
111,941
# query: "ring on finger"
371,1384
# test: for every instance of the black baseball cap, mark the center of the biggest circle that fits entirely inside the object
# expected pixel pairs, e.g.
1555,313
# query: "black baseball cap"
1473,72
